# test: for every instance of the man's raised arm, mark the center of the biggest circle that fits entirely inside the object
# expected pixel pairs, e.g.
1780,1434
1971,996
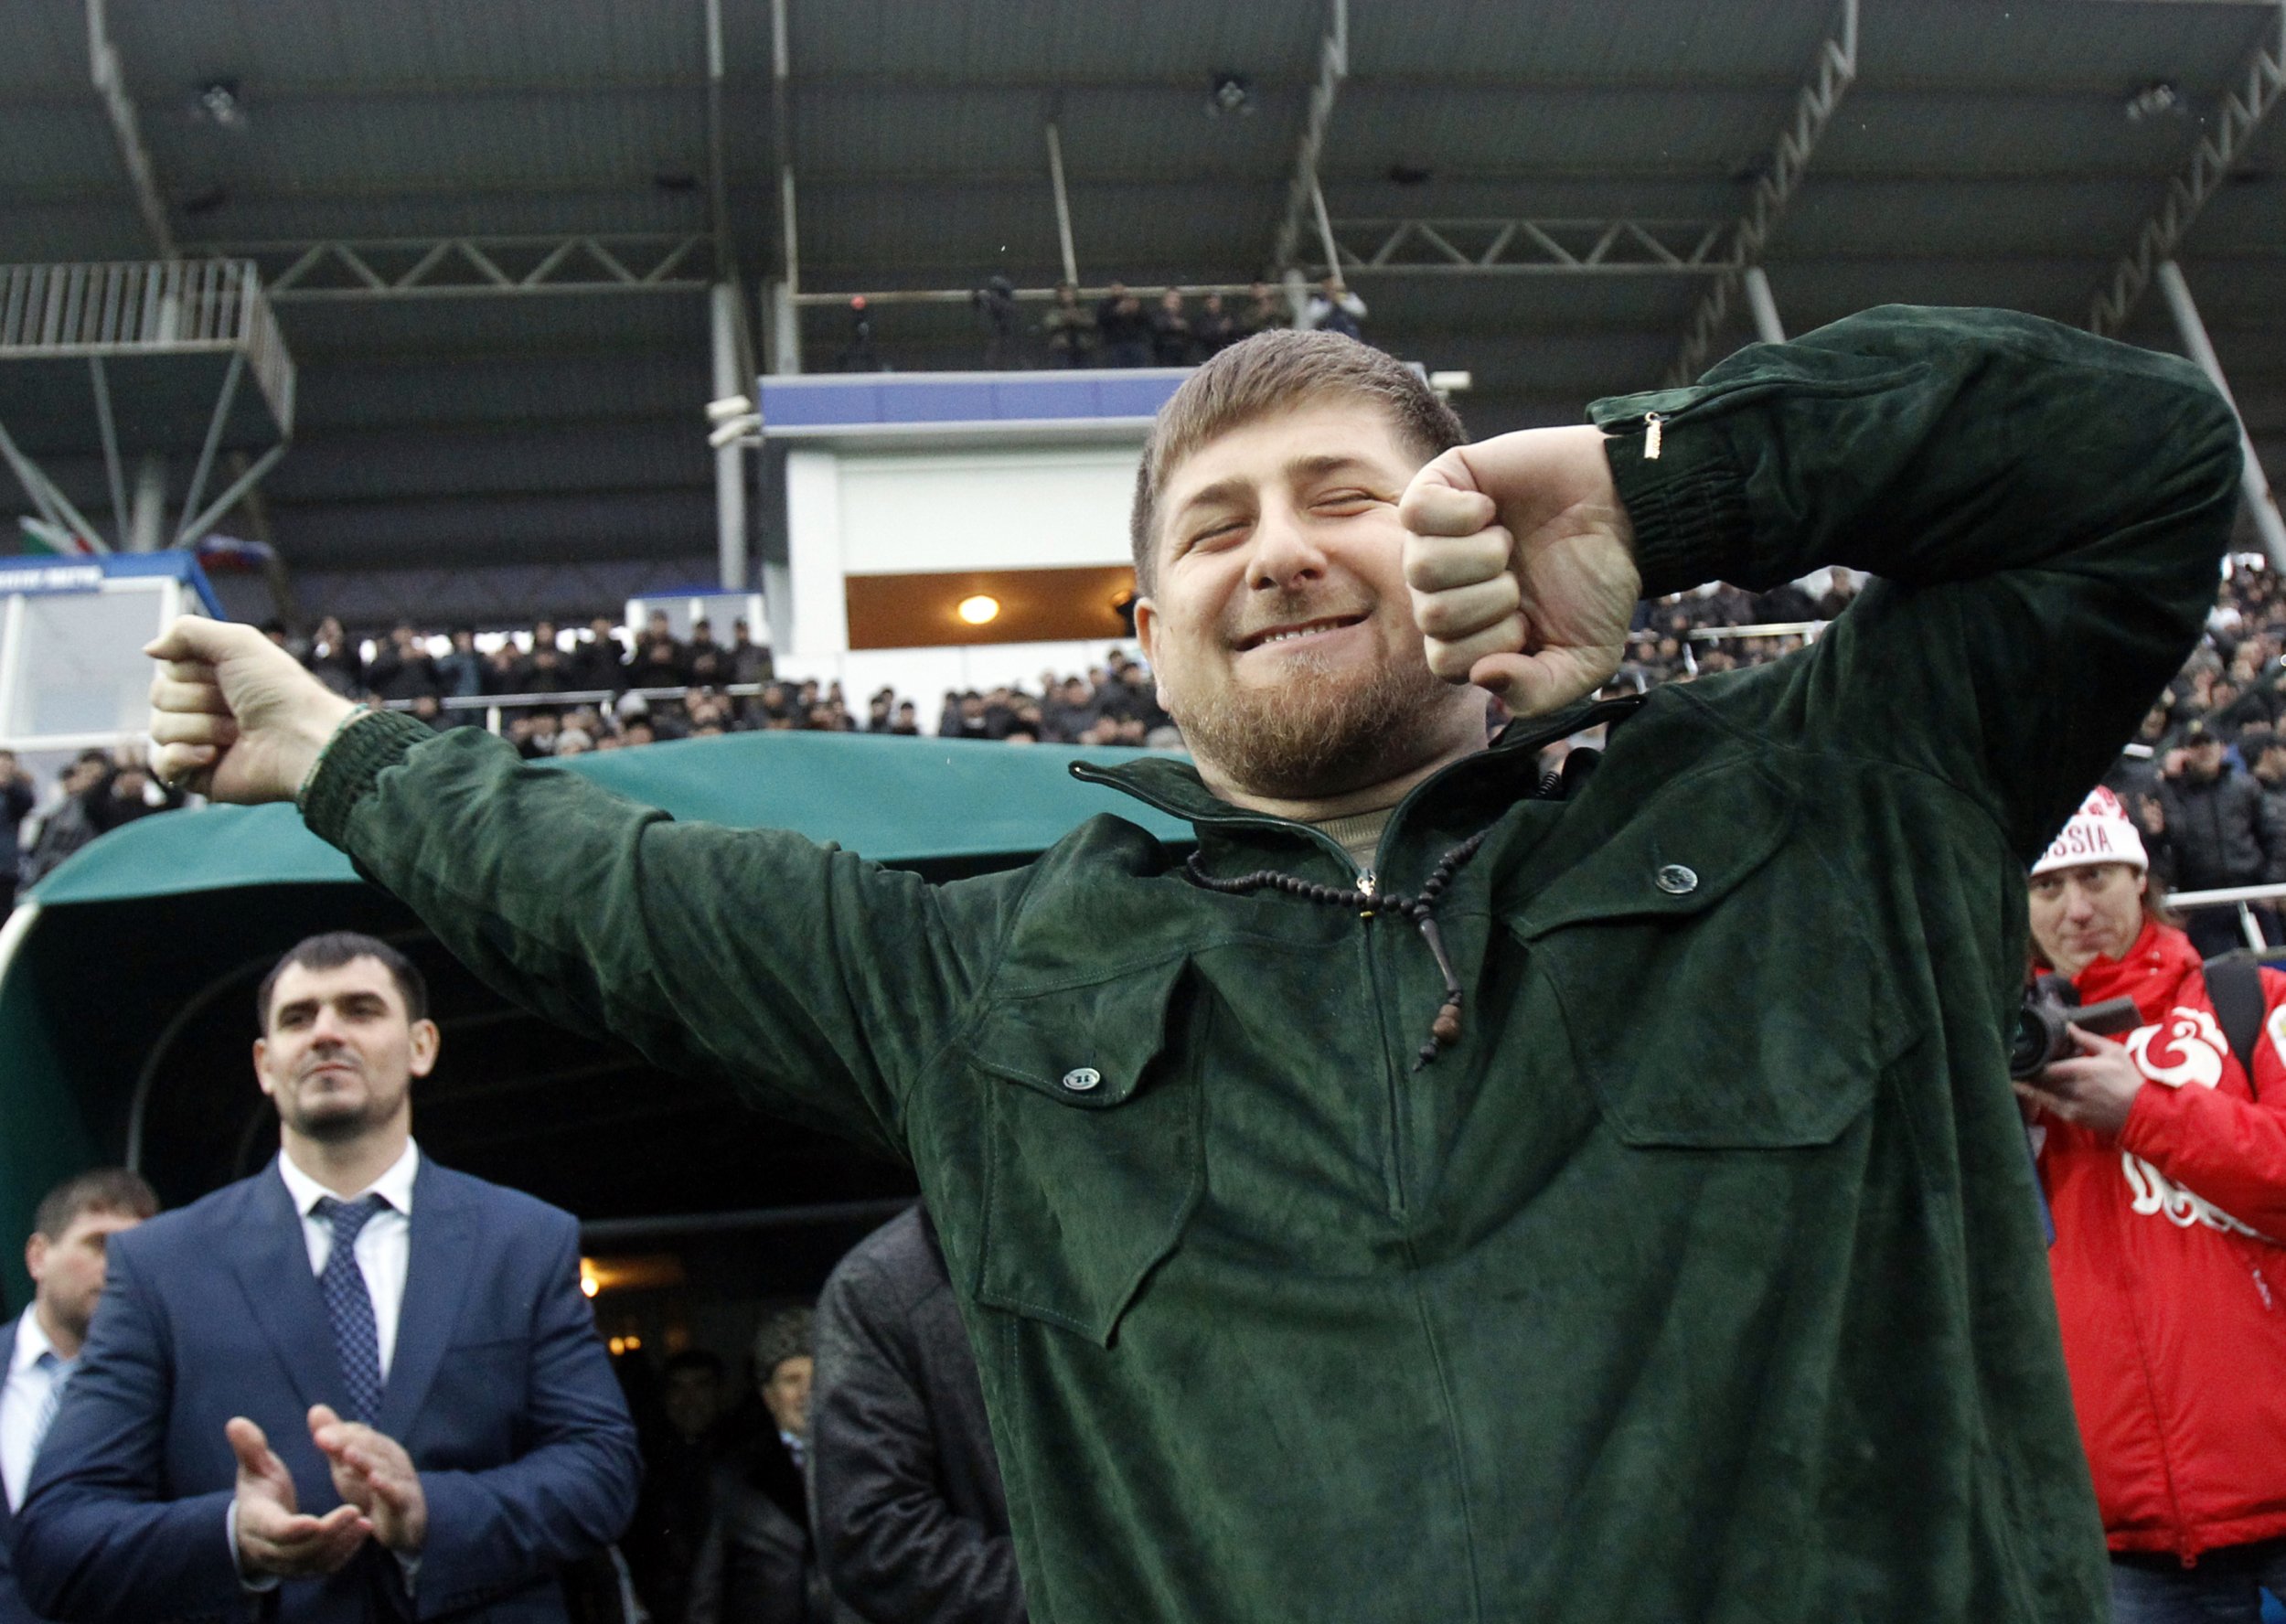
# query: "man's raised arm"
817,981
2045,511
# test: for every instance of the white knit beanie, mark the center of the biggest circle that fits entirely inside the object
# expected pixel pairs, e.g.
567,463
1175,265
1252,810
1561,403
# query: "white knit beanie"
2100,832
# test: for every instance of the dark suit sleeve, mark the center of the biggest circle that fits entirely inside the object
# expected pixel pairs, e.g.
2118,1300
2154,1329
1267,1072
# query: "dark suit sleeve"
494,1532
891,1547
96,1542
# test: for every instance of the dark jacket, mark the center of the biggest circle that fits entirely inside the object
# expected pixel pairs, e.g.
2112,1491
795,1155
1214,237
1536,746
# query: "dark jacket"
757,1564
16,801
1701,1277
2224,831
910,1517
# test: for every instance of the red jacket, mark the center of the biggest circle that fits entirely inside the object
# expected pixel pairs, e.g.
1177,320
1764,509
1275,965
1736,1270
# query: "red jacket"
2172,1294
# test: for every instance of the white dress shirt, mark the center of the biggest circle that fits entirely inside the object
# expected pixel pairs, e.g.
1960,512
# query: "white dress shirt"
384,1244
24,1402
384,1251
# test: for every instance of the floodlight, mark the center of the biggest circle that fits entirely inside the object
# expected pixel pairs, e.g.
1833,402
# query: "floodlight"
1452,383
733,430
728,407
979,610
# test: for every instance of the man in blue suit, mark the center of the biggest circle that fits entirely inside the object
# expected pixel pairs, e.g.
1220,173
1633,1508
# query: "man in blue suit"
356,1386
40,1349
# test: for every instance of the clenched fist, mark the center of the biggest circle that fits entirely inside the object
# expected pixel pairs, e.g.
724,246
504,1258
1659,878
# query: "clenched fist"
234,716
1521,566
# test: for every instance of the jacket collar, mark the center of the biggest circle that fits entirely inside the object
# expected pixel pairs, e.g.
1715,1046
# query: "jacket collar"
1173,785
2149,971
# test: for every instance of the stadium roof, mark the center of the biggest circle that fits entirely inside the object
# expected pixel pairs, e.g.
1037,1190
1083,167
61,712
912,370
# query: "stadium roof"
542,447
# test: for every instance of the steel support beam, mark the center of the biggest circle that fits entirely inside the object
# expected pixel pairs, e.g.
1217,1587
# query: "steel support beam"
2227,133
1063,204
1511,247
1834,71
111,84
192,533
786,326
1765,308
1333,67
476,267
2261,506
53,505
107,428
730,459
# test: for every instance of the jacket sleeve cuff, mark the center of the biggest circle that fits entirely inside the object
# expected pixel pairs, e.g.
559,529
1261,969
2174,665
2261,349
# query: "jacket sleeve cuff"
366,744
1688,506
2150,1122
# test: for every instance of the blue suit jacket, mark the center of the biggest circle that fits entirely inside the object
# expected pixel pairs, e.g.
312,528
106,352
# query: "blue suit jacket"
497,1388
13,1609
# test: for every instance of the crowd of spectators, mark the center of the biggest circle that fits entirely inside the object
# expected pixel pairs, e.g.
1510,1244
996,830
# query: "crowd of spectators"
620,692
1118,330
2205,777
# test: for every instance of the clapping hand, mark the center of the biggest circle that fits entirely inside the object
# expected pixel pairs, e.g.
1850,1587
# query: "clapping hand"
275,1537
373,1474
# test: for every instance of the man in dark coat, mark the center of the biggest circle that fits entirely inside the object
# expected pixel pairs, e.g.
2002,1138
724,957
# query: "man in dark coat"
2216,828
758,1564
911,1516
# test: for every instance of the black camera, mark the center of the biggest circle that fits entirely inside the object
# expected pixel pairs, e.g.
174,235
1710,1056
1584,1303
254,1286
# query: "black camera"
2051,1006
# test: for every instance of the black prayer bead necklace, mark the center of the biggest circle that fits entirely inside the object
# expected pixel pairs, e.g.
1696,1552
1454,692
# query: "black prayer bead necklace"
1420,910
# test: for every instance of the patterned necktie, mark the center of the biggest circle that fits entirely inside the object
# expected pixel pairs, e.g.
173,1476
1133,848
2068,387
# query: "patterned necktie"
349,1306
60,1375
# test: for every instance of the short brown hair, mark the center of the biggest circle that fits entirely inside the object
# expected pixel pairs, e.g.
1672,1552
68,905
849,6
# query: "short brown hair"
1270,373
99,1190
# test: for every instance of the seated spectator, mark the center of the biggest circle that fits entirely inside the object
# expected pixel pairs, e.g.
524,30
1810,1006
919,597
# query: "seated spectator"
460,672
335,661
1266,309
601,663
1334,308
1215,328
758,1564
546,670
1172,343
18,794
908,723
706,663
1069,326
1126,330
401,668
504,669
1840,593
657,661
749,661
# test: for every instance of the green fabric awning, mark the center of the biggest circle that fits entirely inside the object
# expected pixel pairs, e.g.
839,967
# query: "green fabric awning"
124,1000
896,800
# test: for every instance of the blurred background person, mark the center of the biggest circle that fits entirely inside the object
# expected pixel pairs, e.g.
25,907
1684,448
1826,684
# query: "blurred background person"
911,1515
758,1564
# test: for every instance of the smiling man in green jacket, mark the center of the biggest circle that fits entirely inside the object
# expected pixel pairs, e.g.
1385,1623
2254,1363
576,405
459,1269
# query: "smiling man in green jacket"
1454,1197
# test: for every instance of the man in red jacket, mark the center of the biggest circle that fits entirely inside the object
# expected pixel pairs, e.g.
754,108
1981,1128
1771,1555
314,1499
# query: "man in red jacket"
2166,1170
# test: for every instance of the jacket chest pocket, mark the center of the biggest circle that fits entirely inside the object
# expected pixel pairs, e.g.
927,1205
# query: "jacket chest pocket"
1094,1153
1716,992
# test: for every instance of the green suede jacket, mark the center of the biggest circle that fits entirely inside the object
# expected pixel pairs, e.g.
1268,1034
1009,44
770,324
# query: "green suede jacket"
1702,1278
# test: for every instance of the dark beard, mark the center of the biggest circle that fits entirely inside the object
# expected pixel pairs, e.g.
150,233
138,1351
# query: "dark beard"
1309,739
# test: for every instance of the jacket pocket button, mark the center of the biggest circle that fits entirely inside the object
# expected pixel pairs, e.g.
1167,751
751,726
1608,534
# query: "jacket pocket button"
1079,1079
1675,880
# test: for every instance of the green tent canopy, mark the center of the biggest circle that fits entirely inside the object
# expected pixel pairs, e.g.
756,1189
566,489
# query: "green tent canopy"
127,977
